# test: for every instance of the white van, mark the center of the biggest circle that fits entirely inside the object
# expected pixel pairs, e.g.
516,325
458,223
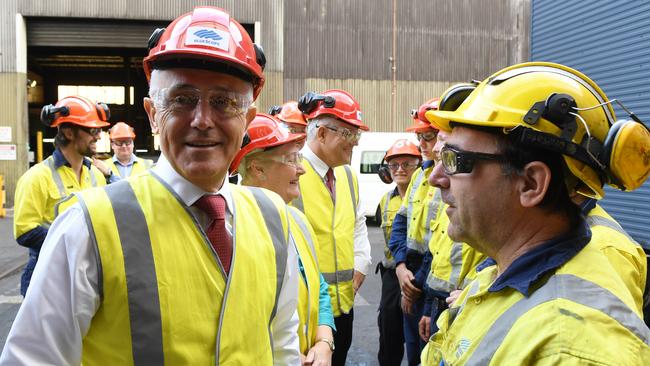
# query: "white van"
366,160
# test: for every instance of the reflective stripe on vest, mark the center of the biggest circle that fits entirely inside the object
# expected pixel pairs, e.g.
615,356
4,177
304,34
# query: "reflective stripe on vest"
581,291
338,276
305,231
387,263
456,262
410,242
433,205
348,173
274,226
59,183
455,311
595,220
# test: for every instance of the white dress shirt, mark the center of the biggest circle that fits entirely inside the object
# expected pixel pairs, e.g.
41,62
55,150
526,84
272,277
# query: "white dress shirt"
64,292
362,260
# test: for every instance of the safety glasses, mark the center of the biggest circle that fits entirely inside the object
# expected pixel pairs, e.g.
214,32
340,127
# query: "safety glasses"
405,166
427,136
122,143
293,159
347,135
184,99
90,131
456,161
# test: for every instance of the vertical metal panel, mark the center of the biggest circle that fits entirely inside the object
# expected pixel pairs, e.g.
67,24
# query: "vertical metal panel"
608,41
8,36
13,102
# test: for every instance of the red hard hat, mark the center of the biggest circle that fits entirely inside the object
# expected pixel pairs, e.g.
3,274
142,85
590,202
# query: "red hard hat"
420,123
207,34
263,132
121,131
77,110
403,147
337,103
290,113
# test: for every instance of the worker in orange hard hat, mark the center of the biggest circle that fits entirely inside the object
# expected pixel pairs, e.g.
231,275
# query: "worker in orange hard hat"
334,128
402,159
271,159
124,163
41,191
291,116
175,265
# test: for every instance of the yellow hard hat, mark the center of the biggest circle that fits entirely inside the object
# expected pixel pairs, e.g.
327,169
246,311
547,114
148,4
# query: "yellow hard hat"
559,109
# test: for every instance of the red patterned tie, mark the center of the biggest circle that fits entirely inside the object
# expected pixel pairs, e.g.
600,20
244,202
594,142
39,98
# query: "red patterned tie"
215,207
329,182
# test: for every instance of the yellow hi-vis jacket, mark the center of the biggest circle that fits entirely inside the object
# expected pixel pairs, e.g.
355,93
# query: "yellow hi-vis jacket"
44,191
454,264
578,314
333,223
420,207
165,296
389,205
624,253
309,287
139,166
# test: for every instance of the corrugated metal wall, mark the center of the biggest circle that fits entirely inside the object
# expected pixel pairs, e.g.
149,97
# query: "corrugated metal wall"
608,41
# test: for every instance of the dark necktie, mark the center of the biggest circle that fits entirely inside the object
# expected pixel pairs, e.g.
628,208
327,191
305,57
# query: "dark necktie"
215,207
329,182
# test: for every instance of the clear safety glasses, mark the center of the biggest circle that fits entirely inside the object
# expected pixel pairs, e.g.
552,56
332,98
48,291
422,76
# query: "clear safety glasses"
406,166
347,135
427,136
293,159
183,99
456,161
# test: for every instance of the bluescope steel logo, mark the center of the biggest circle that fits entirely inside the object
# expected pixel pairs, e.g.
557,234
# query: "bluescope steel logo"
202,36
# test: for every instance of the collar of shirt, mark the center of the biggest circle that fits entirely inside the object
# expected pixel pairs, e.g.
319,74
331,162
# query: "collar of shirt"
539,261
394,193
187,191
316,162
428,164
60,160
132,160
587,206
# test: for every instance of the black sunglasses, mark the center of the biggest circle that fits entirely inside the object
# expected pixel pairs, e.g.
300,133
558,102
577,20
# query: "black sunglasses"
456,161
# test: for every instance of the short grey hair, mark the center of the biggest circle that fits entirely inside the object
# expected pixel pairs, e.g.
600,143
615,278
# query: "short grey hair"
244,163
312,126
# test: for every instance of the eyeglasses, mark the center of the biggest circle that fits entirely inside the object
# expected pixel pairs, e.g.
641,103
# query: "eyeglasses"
405,166
90,131
122,143
184,99
456,161
293,159
427,136
347,135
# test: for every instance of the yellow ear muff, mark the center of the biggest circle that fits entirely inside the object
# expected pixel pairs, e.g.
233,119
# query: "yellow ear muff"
627,149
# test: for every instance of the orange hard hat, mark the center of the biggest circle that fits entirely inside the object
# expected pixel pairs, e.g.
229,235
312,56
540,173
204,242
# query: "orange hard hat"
420,123
76,110
403,147
263,132
289,113
207,38
121,131
335,102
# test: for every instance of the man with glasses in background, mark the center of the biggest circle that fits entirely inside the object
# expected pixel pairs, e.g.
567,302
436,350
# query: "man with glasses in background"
330,200
174,266
124,163
42,190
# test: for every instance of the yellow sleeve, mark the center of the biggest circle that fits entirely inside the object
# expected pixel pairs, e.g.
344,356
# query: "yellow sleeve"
30,200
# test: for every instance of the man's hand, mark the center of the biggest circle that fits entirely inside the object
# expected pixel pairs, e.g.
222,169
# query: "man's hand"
406,305
453,296
404,276
101,166
425,327
357,280
319,355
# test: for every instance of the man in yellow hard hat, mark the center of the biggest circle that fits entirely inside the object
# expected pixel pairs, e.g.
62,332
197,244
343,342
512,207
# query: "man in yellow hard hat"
175,266
42,190
520,145
124,163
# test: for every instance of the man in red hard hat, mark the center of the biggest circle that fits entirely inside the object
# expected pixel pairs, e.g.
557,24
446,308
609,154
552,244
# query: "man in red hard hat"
330,199
175,266
41,191
124,163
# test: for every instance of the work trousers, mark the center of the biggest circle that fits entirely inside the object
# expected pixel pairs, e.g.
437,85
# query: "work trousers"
342,338
414,344
26,276
390,320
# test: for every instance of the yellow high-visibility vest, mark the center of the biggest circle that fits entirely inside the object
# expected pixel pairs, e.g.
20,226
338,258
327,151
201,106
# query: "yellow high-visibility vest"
389,206
139,165
420,206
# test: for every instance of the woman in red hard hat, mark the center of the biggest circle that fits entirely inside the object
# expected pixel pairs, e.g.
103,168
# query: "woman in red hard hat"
271,159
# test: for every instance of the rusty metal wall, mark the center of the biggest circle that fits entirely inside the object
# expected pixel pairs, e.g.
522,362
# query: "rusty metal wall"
438,40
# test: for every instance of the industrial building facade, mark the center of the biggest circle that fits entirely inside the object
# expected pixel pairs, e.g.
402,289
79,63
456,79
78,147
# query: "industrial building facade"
392,55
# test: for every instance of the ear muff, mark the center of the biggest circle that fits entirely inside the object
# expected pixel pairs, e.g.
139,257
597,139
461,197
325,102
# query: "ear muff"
260,58
49,112
384,174
309,102
455,97
246,140
103,112
154,38
627,154
276,109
